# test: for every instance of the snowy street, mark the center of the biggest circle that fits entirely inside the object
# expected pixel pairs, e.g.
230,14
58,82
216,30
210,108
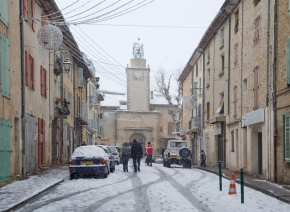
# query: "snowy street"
155,188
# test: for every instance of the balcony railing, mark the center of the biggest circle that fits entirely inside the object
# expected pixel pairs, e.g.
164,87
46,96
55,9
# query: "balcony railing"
85,111
92,100
93,125
61,107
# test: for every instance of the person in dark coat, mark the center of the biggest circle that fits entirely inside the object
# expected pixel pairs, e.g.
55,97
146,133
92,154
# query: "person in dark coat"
136,154
203,159
126,152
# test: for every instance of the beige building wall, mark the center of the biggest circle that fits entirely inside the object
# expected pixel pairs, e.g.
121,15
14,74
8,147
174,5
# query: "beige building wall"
283,95
10,108
249,124
138,85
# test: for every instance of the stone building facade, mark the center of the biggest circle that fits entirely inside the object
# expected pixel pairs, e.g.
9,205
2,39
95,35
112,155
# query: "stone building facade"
282,94
141,114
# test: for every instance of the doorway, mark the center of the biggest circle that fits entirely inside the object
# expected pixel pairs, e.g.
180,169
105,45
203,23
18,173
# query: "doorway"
260,153
139,138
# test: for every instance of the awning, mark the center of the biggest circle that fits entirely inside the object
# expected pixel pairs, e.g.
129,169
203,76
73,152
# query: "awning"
221,106
217,119
86,130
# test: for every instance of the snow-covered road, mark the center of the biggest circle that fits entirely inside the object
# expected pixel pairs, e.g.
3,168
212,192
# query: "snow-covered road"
153,189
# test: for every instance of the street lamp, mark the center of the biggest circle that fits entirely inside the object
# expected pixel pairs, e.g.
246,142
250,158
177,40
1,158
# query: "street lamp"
67,65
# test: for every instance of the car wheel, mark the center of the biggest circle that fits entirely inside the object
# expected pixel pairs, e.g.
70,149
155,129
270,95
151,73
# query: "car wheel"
189,165
168,164
72,176
106,173
164,163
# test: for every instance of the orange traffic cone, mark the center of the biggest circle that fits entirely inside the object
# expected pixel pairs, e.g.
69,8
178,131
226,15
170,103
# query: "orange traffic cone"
232,189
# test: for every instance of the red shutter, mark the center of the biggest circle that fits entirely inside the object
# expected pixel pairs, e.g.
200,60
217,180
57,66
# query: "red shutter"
41,80
33,14
27,68
45,82
256,88
33,72
233,140
43,142
39,143
235,101
25,9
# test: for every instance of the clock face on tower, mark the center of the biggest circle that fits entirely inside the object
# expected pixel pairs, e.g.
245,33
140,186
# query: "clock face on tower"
137,75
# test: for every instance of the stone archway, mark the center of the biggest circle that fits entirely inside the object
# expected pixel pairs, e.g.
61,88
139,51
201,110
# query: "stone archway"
140,138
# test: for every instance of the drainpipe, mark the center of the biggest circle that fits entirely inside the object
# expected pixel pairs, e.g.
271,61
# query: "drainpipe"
24,171
241,80
267,93
203,90
274,90
61,119
229,65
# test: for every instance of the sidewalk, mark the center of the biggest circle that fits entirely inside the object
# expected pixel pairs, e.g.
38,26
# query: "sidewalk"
20,191
272,189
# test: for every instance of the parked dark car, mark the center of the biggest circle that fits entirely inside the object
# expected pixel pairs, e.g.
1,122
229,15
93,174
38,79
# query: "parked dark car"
110,155
89,161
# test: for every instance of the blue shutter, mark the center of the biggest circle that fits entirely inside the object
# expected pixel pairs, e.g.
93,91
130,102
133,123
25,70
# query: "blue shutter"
80,78
4,12
286,137
288,61
5,75
5,150
195,89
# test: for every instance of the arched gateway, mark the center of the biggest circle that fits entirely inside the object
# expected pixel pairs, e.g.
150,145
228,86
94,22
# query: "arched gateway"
140,138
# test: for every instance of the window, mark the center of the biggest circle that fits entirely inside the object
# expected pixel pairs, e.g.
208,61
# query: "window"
245,84
257,29
29,11
195,90
43,85
288,61
4,66
196,72
235,101
236,21
256,2
170,128
208,77
232,141
33,22
222,37
286,137
208,54
207,111
200,86
220,109
236,54
4,12
31,72
256,88
222,61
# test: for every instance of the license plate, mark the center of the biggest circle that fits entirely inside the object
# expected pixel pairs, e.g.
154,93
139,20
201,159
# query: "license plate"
87,162
174,156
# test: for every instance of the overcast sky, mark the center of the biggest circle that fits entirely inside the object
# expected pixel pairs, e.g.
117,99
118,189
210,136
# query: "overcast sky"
170,30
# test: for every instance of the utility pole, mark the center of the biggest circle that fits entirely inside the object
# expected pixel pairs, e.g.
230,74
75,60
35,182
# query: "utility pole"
61,96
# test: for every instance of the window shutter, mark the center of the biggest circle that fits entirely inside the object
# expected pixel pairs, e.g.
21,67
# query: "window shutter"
286,137
33,72
256,88
235,101
33,14
80,78
43,142
41,80
4,12
5,67
195,89
27,68
25,9
288,61
199,110
233,140
258,28
45,82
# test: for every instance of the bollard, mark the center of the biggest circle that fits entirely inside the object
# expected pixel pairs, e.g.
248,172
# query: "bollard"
242,185
220,174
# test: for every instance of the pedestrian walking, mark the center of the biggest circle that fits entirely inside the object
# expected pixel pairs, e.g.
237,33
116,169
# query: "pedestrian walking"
149,154
203,159
126,152
136,154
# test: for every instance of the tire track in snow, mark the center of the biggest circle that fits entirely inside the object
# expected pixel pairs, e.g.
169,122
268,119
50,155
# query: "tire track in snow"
49,201
140,188
186,193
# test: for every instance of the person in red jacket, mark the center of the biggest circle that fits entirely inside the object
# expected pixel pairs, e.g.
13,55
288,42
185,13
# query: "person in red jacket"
149,151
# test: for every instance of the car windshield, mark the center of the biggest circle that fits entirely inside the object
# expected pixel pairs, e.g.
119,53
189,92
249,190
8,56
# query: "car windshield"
178,144
104,148
113,149
109,150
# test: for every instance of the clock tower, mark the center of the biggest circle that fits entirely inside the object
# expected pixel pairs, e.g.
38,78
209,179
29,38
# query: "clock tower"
138,81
